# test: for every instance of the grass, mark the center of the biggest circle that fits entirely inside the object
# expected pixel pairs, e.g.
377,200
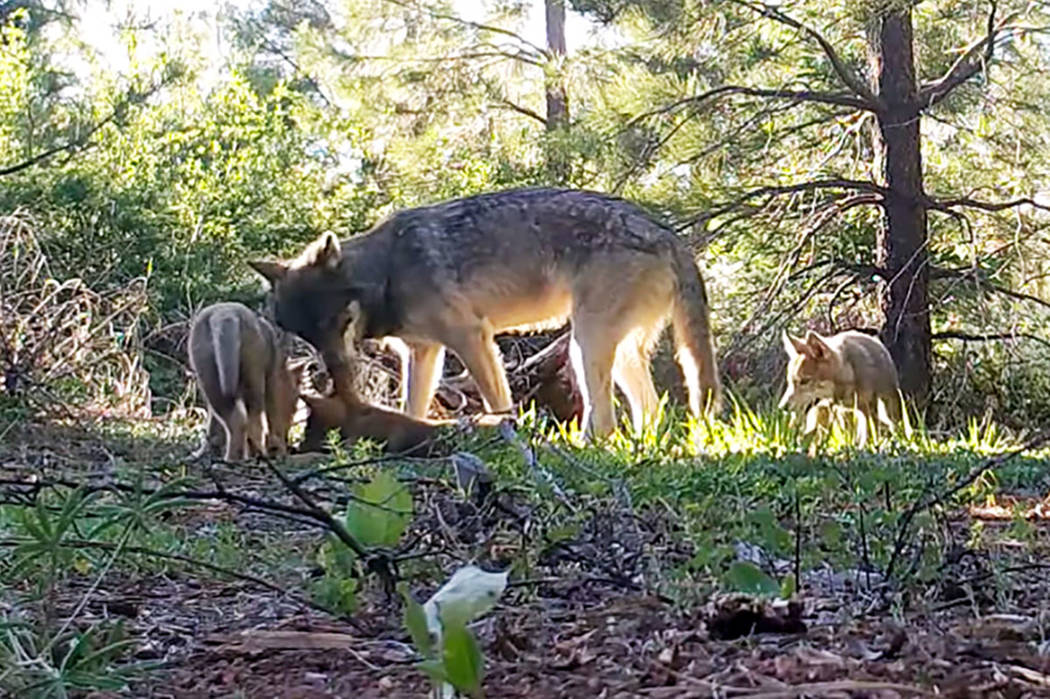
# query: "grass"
752,482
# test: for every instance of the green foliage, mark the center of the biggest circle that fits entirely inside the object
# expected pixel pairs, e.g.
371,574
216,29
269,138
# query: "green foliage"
36,665
378,513
45,549
336,592
461,658
380,510
416,623
749,578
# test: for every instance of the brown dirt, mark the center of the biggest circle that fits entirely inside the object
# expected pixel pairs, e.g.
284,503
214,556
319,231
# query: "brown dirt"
586,625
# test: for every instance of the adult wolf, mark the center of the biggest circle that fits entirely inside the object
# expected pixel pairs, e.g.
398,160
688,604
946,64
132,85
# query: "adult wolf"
456,273
244,374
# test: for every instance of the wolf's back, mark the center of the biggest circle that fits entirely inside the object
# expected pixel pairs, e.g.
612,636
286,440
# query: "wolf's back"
216,339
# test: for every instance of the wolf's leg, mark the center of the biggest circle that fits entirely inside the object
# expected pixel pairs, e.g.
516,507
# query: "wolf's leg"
631,373
477,349
234,419
593,352
255,409
622,301
420,377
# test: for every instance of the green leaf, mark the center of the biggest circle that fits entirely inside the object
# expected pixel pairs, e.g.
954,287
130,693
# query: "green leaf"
435,669
416,623
464,664
774,536
749,578
787,586
380,511
336,557
337,593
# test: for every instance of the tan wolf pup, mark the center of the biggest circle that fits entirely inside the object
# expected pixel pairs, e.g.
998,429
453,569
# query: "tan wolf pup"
456,273
850,369
356,420
398,432
243,372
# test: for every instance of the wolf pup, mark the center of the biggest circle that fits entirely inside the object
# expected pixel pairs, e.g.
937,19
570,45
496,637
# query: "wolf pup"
355,420
457,273
850,369
243,372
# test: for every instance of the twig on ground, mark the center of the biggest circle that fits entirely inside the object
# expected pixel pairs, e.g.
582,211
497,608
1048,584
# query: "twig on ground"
376,560
923,504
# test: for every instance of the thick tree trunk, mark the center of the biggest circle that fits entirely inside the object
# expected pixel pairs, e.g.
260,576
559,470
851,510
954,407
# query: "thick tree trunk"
902,243
557,96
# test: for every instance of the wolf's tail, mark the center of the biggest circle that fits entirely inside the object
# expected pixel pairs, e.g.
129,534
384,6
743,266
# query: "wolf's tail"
692,334
226,346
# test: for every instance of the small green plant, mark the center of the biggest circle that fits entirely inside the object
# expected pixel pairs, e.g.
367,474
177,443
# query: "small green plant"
35,663
749,578
452,657
377,515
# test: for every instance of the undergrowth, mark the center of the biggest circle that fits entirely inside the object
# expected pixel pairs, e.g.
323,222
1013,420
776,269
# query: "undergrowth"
751,488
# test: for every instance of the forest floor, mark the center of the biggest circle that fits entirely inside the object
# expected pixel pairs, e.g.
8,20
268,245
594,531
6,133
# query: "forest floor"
617,559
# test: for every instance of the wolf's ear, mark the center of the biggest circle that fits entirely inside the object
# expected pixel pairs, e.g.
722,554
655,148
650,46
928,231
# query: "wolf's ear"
272,271
793,345
818,348
325,251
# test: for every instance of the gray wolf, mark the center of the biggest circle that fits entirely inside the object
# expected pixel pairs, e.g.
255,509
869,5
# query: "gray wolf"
851,369
243,372
456,273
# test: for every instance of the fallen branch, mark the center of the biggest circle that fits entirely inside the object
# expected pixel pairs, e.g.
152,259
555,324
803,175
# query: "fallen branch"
378,561
921,505
141,550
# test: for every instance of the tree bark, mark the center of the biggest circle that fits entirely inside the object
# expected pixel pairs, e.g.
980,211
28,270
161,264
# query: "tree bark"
556,93
902,239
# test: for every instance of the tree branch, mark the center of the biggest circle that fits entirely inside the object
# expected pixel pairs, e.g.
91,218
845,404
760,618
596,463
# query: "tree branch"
69,146
835,98
507,104
988,337
1020,296
132,96
473,25
846,75
947,204
811,186
965,67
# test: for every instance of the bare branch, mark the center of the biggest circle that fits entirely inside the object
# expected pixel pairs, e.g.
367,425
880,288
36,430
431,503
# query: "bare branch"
474,25
968,64
988,337
811,186
1020,296
927,503
846,75
507,104
946,205
835,98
